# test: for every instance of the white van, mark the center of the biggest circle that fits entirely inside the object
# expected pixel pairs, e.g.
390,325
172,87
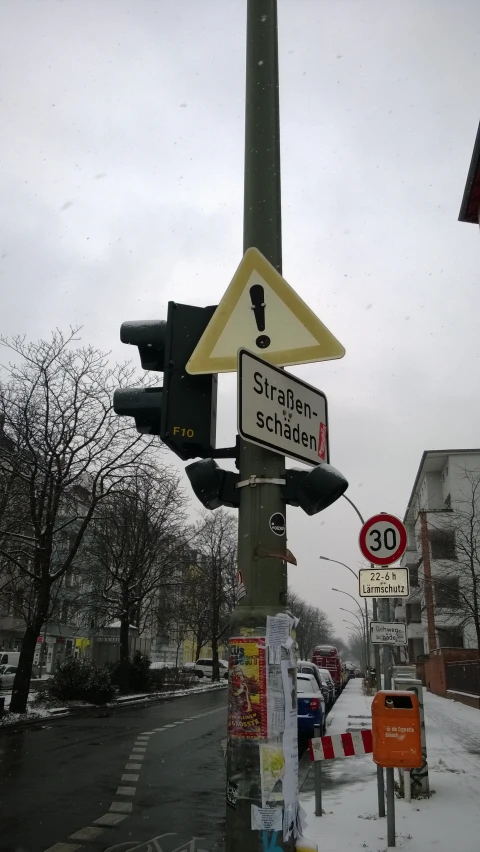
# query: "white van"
9,658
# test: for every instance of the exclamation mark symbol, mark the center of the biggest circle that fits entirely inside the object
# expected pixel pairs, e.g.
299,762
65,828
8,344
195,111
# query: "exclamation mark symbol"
257,295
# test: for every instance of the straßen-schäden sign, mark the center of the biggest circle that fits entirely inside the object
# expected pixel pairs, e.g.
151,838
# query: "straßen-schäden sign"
279,411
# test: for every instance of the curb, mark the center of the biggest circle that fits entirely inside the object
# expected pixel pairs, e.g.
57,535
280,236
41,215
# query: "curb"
103,710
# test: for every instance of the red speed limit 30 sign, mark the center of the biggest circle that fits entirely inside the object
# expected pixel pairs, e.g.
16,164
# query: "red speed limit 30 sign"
383,539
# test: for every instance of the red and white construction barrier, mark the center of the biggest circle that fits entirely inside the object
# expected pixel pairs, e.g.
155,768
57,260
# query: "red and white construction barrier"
341,745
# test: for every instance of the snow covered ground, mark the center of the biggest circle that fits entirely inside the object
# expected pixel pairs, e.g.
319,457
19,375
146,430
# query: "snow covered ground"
447,822
37,711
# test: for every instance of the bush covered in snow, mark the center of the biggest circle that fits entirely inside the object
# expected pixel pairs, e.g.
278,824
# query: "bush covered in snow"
78,680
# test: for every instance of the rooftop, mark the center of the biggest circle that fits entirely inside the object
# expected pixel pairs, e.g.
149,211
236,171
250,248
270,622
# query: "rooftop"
432,461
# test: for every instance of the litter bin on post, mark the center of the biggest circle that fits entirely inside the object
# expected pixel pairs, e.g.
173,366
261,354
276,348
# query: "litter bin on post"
396,735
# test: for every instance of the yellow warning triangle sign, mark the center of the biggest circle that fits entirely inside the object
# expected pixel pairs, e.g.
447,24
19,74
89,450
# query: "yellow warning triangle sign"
262,313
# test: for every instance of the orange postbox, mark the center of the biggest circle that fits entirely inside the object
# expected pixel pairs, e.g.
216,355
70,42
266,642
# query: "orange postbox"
396,730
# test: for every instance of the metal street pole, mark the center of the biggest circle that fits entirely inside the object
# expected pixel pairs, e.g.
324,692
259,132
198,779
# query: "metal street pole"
260,551
390,776
376,651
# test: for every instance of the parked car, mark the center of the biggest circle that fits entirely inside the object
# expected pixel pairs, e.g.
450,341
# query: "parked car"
7,676
9,658
304,667
204,667
330,683
311,706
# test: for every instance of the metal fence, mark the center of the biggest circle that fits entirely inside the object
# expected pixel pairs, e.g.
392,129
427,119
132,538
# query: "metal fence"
464,677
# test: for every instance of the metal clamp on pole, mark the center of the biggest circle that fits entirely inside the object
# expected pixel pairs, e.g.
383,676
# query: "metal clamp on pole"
258,480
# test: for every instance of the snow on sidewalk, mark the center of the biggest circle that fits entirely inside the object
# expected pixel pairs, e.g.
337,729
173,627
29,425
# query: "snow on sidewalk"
447,822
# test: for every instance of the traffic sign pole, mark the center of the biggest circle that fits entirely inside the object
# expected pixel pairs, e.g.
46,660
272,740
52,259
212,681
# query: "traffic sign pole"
260,549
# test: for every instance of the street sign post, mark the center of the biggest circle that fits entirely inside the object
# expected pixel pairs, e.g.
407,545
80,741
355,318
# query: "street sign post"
261,311
388,633
383,539
383,583
278,411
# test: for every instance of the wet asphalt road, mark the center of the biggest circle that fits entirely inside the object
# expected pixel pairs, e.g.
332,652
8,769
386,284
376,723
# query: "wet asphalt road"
58,780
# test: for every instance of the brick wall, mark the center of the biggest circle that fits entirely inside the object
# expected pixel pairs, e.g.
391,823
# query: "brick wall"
435,677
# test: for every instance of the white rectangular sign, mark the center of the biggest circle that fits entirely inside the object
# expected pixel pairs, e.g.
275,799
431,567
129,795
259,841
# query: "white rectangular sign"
383,582
279,411
388,633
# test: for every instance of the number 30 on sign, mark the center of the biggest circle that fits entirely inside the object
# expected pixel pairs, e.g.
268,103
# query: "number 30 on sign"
383,539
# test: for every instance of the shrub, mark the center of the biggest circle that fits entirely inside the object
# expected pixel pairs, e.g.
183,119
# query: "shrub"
80,680
132,675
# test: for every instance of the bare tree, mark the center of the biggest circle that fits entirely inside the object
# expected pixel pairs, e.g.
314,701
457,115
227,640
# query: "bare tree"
313,627
454,537
65,451
215,569
136,549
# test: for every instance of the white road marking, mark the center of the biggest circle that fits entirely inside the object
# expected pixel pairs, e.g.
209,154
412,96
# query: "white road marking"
147,733
116,808
87,833
126,791
170,726
63,847
159,729
140,749
133,766
129,777
136,756
110,819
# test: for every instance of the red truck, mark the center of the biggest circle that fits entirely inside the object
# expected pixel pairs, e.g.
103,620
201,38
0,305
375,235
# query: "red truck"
327,657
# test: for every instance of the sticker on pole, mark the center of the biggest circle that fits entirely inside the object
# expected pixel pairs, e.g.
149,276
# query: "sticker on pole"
383,539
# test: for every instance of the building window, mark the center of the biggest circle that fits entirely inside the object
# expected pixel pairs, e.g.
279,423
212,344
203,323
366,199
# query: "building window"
413,574
450,639
442,544
413,613
447,592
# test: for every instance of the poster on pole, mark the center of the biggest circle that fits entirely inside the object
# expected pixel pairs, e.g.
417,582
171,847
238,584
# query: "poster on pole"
247,688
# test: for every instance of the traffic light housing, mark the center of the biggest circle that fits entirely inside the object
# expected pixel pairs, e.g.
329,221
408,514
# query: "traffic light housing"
212,485
313,490
183,411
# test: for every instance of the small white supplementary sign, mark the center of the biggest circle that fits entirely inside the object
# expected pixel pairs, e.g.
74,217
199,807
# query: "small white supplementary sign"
388,633
383,583
266,819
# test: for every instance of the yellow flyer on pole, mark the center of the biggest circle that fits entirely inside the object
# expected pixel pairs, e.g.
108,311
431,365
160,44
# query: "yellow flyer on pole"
247,694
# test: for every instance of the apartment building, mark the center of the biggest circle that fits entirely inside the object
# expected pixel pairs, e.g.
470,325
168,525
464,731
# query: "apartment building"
443,553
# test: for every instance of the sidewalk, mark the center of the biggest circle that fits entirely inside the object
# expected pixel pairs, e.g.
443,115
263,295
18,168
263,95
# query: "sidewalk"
447,822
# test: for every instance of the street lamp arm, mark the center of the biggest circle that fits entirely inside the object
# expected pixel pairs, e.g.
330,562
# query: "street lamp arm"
327,559
352,504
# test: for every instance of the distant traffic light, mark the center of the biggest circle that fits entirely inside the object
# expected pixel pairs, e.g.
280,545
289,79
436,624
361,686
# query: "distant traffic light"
183,411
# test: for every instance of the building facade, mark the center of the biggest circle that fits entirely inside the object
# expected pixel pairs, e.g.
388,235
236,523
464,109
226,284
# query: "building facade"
443,553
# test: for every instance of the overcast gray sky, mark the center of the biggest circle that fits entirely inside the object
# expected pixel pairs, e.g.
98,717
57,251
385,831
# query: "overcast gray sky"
121,188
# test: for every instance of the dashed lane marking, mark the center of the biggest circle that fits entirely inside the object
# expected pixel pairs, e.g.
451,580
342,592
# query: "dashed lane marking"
120,810
110,819
90,832
116,808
